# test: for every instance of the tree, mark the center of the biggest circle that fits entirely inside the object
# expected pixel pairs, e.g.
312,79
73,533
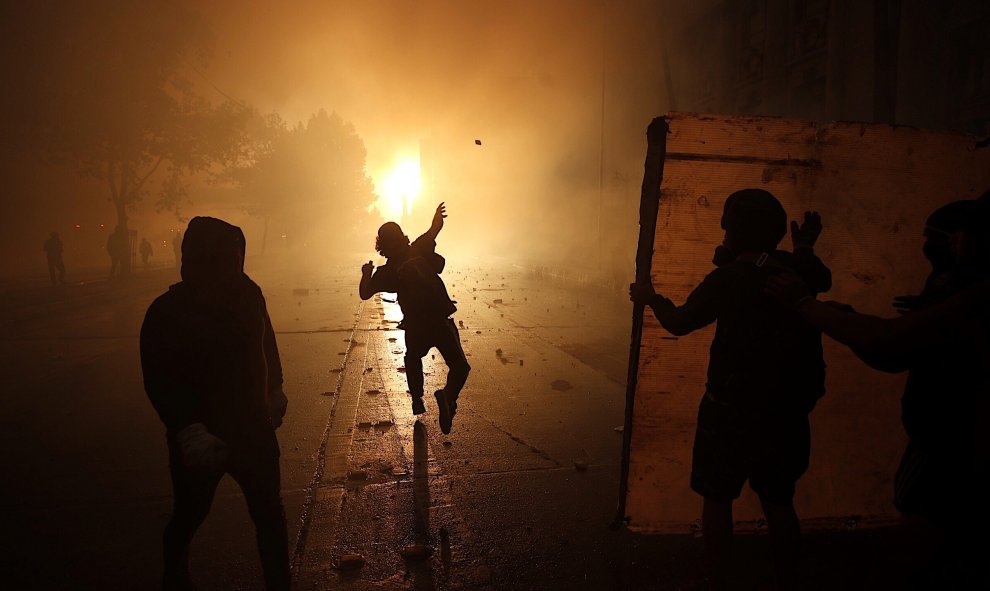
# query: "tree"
311,178
110,94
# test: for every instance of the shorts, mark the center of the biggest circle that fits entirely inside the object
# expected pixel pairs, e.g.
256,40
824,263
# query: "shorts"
733,446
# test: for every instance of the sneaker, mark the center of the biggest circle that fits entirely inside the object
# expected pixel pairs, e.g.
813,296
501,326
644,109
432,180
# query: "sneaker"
418,407
446,411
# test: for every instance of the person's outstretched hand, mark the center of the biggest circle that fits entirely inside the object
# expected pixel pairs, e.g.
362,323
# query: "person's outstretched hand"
440,214
788,289
805,235
367,268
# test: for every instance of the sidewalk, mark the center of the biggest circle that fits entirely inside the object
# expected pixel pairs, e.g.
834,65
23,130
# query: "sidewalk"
377,490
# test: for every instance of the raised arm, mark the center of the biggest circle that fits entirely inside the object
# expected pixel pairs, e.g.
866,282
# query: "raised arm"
365,289
806,263
437,225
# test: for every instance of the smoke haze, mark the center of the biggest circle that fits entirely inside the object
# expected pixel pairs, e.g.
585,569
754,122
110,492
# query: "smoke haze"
544,86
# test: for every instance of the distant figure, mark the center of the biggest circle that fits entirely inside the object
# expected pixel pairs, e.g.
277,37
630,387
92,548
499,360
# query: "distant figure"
412,271
177,249
765,375
145,250
212,371
945,343
118,247
53,251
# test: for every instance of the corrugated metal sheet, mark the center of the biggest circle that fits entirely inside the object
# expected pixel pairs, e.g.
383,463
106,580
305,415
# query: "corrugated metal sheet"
874,185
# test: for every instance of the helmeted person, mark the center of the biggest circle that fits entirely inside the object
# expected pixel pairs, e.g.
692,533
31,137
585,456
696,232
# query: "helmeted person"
212,371
945,344
941,229
412,272
765,374
53,252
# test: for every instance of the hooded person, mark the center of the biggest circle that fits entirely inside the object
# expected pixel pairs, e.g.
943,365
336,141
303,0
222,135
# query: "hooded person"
766,372
213,374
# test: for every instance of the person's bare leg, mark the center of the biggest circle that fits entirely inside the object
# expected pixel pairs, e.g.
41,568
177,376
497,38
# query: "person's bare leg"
716,524
785,542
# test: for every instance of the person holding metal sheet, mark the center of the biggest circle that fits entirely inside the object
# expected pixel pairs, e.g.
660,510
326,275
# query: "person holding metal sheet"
412,272
212,372
765,374
945,344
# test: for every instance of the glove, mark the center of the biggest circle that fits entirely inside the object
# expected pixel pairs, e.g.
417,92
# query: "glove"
201,450
277,404
805,235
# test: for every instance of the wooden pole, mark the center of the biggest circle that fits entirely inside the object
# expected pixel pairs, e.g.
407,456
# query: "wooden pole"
649,207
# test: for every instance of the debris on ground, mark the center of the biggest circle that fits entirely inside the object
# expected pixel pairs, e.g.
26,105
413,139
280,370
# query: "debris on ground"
448,443
619,429
327,393
460,323
364,425
581,466
520,363
497,302
561,385
384,424
401,369
351,562
357,475
373,392
477,332
416,552
498,352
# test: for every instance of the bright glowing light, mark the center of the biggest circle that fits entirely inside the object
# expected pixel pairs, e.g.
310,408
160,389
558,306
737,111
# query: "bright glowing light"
399,189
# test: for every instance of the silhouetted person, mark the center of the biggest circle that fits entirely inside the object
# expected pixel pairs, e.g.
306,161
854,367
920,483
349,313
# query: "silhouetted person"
940,231
212,371
145,250
412,271
943,475
765,374
177,249
53,252
118,247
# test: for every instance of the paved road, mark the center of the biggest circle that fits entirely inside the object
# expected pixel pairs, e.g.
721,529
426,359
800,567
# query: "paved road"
517,497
